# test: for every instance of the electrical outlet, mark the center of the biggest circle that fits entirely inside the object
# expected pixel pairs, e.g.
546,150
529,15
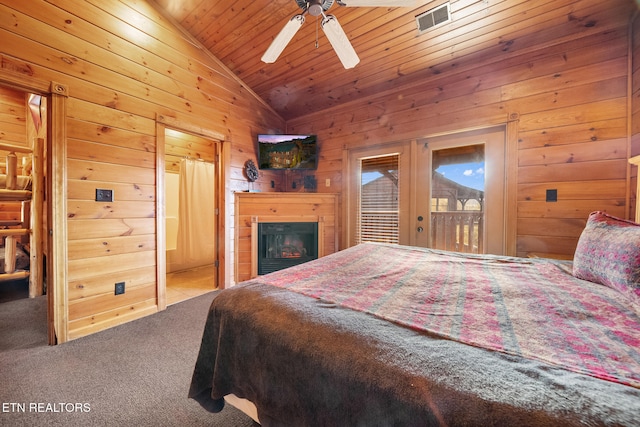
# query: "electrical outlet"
119,288
103,195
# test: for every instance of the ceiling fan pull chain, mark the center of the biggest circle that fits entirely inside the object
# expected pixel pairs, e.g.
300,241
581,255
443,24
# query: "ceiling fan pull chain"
317,44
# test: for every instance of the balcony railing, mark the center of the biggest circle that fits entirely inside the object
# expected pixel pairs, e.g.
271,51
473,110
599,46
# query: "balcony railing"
460,231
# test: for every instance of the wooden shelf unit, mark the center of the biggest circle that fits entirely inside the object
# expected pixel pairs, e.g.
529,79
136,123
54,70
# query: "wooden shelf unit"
31,211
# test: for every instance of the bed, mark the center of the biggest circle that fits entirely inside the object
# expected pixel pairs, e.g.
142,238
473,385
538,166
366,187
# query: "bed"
388,335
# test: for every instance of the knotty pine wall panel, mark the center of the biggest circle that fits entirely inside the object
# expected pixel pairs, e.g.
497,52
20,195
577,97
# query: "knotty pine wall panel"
124,64
180,145
95,161
10,211
13,121
635,110
13,130
567,91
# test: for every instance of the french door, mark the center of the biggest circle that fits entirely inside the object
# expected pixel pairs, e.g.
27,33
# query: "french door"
460,192
445,192
378,187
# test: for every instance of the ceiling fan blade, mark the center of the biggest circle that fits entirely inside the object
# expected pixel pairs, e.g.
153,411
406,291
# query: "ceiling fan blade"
282,39
340,42
377,3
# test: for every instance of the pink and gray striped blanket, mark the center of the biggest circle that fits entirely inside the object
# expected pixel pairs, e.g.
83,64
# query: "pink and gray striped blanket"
531,308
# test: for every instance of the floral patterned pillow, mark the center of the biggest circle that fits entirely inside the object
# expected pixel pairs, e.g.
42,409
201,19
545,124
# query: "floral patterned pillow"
608,253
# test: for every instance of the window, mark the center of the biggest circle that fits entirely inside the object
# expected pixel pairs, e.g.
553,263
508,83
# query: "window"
457,198
378,216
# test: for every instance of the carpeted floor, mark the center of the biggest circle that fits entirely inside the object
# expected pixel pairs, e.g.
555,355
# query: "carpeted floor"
13,290
135,374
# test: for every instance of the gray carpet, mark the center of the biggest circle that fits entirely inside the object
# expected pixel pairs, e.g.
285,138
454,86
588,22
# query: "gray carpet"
135,374
13,290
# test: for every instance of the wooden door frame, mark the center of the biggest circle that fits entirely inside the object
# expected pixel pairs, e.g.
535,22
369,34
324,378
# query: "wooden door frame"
510,127
495,144
57,214
223,155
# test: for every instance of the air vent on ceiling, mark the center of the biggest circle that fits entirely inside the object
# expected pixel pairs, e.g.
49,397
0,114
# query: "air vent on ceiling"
431,18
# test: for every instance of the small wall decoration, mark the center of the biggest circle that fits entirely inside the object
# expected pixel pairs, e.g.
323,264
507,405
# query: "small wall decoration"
251,171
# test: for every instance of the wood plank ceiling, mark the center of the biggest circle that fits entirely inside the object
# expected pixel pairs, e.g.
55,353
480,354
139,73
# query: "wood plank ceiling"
307,78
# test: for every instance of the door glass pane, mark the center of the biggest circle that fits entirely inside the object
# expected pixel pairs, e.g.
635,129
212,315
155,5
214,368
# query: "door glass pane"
457,199
378,208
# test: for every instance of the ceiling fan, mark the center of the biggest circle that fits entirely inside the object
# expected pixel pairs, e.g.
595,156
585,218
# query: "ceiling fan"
330,26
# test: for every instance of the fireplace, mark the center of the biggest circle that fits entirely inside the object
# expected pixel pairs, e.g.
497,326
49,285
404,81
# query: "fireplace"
285,244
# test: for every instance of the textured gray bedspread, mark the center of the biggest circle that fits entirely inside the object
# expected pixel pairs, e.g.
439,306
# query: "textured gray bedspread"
308,363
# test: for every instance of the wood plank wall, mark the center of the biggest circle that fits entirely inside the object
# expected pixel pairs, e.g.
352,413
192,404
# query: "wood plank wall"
13,120
180,145
635,109
567,89
124,63
13,130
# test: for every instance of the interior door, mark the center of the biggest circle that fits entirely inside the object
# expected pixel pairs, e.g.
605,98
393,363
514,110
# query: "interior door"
459,192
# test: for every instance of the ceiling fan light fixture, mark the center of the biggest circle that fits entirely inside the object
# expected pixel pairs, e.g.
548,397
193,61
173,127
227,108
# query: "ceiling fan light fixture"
282,39
339,41
315,8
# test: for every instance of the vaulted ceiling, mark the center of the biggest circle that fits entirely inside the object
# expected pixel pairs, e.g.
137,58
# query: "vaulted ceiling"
308,76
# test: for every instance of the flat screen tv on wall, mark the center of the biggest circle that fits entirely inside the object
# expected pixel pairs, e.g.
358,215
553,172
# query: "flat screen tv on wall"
287,151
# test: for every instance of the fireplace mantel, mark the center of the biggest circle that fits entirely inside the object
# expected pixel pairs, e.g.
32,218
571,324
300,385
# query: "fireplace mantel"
254,208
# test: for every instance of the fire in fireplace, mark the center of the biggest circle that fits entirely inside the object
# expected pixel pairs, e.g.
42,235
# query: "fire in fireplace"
285,244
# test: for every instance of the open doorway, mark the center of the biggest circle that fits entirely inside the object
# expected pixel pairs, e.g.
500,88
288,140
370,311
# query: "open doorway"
23,216
23,120
190,214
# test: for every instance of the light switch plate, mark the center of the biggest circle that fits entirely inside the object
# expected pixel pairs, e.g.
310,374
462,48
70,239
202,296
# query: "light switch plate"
103,195
119,288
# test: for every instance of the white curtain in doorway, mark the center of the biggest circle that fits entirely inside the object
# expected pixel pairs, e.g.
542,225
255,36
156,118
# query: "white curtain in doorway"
195,244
